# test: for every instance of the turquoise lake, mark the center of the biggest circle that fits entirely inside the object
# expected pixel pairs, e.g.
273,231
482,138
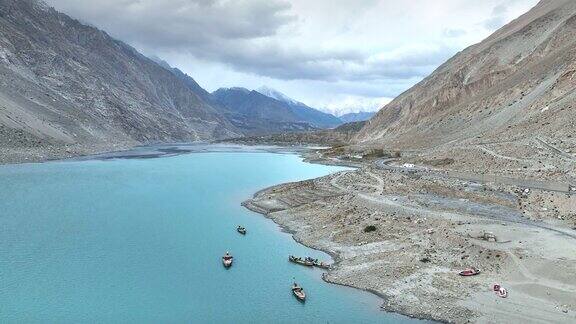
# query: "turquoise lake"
140,241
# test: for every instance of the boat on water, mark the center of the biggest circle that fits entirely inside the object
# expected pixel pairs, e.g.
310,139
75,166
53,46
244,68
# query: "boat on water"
299,292
322,265
469,272
241,230
318,263
300,261
227,260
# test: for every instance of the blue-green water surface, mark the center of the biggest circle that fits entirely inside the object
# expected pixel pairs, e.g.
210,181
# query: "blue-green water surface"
140,241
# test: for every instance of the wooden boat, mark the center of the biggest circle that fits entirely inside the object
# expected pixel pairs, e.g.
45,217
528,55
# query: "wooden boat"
317,263
300,261
469,272
241,230
299,292
227,260
322,265
502,292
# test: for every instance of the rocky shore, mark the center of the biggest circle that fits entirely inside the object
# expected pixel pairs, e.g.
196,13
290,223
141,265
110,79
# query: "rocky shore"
405,235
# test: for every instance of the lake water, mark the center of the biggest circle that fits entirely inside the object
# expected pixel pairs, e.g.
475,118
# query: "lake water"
141,240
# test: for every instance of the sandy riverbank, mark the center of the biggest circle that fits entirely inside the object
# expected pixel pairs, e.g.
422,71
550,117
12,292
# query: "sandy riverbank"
429,228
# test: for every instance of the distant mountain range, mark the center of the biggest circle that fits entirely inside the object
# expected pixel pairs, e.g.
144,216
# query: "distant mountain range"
67,88
265,106
258,114
265,110
356,117
269,111
303,112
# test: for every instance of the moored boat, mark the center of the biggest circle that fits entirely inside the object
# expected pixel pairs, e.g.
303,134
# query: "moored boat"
227,260
500,291
469,272
299,292
300,261
322,265
241,230
317,263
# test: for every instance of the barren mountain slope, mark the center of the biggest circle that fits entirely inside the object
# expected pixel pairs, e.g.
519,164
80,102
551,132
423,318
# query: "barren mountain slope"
258,114
517,85
67,86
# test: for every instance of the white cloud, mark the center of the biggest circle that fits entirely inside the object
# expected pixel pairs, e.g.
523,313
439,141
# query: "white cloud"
349,104
316,51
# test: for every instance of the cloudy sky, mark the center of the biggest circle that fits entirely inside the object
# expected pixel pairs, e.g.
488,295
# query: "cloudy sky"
335,55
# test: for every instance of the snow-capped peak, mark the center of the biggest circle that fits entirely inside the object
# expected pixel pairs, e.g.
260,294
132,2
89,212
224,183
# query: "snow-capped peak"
275,94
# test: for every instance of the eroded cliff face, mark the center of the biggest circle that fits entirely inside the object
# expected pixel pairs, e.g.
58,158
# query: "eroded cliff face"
63,83
517,83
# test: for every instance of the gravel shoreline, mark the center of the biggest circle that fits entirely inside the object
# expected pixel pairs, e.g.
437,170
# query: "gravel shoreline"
412,260
11,155
335,257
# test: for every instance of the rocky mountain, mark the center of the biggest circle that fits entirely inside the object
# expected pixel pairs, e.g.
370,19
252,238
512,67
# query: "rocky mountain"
254,114
65,86
258,114
517,86
356,117
187,80
310,115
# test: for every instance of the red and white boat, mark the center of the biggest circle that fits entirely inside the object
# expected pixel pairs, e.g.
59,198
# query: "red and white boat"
502,292
227,260
469,272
